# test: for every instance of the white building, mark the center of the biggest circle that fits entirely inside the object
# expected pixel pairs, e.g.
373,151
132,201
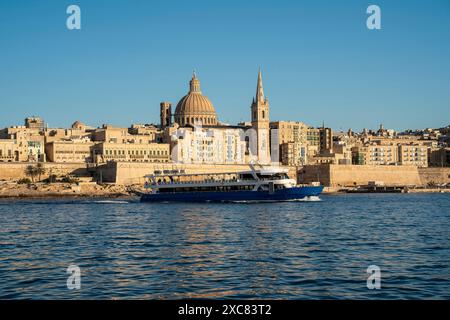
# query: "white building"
212,145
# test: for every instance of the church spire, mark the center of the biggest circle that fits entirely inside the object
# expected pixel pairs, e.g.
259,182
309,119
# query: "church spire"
260,122
259,88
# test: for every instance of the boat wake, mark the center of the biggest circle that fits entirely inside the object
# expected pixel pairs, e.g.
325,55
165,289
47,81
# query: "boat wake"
111,202
306,199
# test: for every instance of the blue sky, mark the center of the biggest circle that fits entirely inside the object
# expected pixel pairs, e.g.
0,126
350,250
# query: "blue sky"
319,61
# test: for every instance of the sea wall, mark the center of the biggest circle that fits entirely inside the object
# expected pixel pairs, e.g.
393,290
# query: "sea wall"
347,175
128,173
351,175
16,170
434,175
313,173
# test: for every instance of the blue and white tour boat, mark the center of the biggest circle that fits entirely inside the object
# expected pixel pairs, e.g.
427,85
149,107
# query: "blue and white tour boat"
263,184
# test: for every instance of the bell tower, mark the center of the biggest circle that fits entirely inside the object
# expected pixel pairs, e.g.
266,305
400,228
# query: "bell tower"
165,114
260,122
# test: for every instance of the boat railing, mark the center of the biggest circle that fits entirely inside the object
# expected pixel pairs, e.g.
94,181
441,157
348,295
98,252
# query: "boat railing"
200,181
190,182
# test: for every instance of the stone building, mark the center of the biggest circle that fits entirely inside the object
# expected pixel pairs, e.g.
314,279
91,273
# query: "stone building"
290,131
165,114
131,152
8,150
77,131
375,155
390,154
140,134
313,137
145,132
82,143
86,151
302,144
69,151
29,143
326,140
382,155
292,139
294,154
439,157
359,155
35,123
413,154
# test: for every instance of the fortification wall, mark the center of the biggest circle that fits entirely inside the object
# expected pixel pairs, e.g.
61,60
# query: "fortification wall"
351,175
329,175
16,170
434,175
313,173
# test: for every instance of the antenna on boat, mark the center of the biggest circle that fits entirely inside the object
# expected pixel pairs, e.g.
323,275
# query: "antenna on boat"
251,164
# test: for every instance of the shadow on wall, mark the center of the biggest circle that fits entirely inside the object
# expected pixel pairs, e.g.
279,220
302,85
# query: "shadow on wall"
81,172
104,172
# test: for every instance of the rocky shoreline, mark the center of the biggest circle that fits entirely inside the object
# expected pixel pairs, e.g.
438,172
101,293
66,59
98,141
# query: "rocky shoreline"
11,190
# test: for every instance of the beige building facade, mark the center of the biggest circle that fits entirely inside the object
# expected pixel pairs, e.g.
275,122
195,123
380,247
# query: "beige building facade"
375,155
413,154
294,154
390,154
439,157
29,143
111,134
290,131
8,150
131,152
69,151
301,144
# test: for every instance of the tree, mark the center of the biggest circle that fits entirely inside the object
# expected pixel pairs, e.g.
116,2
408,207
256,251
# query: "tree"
40,170
31,172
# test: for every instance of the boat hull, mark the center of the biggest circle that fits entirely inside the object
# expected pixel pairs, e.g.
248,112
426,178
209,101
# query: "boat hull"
289,194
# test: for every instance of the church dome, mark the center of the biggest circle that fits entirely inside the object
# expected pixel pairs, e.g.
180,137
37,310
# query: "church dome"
195,107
